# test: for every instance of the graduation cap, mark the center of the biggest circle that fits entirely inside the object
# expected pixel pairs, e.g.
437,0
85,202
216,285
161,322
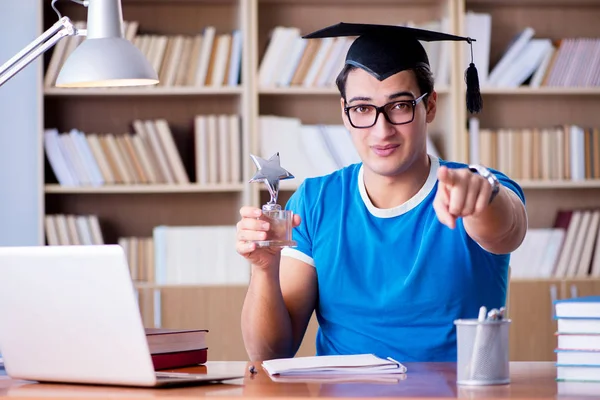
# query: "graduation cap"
384,50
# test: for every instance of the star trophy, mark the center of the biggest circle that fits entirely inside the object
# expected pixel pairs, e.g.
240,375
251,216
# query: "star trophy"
280,232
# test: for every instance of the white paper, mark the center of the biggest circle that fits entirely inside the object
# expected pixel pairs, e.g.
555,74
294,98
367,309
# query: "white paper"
343,364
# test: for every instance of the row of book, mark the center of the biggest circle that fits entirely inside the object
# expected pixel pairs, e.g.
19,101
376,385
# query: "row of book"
578,345
140,257
568,249
173,255
218,149
290,60
206,255
568,152
209,58
212,58
148,156
69,229
568,62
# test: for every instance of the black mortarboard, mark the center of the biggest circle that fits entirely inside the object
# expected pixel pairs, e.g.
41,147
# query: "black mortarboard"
384,50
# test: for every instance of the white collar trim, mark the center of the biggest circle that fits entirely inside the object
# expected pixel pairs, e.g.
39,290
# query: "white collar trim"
410,203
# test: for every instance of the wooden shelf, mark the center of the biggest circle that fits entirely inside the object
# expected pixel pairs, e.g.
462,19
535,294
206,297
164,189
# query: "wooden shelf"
586,184
350,2
532,3
133,189
555,279
524,90
554,184
300,90
145,91
149,285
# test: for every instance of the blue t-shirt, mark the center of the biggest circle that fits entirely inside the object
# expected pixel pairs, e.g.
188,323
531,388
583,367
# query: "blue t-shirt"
391,281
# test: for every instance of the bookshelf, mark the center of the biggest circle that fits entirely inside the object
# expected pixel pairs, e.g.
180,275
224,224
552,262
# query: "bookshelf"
160,91
133,209
533,327
133,189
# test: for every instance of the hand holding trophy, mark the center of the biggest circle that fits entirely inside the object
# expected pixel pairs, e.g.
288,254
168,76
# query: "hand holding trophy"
270,173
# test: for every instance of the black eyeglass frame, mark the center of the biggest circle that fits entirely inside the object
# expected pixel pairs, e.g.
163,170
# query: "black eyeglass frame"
381,110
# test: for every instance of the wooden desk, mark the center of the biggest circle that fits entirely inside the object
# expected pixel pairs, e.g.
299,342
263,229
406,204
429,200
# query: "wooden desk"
423,380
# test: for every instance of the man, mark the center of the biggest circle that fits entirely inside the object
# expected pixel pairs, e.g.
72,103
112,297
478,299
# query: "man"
392,250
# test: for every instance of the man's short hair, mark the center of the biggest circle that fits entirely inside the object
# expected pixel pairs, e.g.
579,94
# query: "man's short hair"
423,75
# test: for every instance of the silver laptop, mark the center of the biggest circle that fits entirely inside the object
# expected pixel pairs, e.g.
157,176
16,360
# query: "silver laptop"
69,314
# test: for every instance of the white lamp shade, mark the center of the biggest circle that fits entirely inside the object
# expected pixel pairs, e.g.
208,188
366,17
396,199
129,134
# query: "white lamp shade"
109,61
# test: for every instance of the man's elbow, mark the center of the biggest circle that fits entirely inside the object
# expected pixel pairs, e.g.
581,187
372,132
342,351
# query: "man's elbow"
512,239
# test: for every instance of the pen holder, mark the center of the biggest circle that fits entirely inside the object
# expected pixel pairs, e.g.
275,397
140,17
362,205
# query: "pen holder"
482,352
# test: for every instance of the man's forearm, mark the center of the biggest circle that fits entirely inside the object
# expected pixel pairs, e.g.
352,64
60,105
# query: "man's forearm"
266,323
501,227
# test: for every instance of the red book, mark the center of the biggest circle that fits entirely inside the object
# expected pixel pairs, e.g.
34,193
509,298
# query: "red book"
179,359
176,348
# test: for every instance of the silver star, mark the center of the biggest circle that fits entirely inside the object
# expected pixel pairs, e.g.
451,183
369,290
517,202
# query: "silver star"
270,172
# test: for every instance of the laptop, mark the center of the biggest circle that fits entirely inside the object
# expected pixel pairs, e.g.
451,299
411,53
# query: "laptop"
69,314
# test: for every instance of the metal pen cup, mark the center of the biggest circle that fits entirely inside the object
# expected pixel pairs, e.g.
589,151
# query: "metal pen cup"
482,352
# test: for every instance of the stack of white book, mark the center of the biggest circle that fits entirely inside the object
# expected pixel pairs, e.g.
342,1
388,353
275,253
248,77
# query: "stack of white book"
201,255
578,350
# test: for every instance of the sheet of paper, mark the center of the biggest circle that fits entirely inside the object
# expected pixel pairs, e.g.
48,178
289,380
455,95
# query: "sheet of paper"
343,364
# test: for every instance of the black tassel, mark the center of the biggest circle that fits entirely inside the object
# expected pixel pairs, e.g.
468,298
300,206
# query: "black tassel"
474,100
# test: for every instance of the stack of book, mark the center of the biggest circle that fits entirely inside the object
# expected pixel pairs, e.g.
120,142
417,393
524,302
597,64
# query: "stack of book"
578,350
198,255
177,348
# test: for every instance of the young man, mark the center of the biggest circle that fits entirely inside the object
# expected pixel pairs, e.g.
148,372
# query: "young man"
392,250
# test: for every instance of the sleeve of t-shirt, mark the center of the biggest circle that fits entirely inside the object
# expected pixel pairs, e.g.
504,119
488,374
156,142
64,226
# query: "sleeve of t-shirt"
509,184
298,204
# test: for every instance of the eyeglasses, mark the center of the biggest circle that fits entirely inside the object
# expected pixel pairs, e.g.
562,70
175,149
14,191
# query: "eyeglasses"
396,113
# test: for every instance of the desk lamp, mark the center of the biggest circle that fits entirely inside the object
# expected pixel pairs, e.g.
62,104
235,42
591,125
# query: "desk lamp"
104,59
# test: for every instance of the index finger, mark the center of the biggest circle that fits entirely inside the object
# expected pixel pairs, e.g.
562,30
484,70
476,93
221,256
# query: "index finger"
250,212
446,175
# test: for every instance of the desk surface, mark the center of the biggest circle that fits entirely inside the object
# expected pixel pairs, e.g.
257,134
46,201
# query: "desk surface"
423,380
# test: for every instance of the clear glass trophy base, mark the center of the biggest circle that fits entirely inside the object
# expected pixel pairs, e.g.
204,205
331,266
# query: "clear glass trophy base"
280,232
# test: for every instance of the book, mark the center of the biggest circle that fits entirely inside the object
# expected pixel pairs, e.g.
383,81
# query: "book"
179,359
579,325
176,348
578,342
579,307
579,358
333,365
578,374
575,388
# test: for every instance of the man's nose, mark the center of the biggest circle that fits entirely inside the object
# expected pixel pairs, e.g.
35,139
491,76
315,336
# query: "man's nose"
382,128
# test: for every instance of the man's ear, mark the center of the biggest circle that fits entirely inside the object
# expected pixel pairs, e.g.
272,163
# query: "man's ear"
431,107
